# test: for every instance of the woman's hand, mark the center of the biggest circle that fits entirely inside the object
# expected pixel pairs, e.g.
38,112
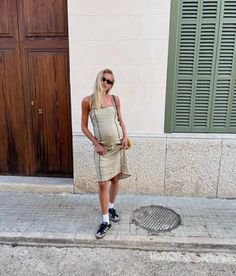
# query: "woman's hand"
124,144
100,149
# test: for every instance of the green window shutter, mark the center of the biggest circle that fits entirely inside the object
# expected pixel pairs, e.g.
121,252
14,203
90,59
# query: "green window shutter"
223,113
198,98
186,59
232,124
209,12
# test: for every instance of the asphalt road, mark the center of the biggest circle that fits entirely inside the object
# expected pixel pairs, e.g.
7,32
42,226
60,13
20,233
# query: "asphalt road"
23,261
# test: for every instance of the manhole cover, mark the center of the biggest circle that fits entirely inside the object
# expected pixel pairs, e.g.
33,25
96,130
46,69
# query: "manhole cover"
156,218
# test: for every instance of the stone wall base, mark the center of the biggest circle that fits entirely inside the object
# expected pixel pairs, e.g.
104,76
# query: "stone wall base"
202,165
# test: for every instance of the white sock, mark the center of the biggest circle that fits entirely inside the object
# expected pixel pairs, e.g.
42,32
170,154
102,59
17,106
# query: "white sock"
105,218
111,205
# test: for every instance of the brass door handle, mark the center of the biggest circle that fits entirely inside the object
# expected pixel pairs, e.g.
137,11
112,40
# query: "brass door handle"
40,111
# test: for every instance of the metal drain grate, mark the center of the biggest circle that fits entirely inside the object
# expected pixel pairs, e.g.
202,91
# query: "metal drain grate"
156,218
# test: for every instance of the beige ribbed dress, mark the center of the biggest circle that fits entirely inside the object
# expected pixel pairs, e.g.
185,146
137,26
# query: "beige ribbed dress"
108,132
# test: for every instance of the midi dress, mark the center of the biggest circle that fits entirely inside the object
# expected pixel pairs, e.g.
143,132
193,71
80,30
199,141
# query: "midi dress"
108,132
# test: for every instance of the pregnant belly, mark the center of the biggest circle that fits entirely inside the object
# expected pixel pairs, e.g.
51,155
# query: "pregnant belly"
111,134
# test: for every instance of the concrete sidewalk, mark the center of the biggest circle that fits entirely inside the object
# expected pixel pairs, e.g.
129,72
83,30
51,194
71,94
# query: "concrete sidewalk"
72,219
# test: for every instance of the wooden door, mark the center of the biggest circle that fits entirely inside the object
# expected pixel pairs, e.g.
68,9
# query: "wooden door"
37,69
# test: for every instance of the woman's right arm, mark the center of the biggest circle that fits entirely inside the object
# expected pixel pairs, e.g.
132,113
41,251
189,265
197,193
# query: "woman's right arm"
84,126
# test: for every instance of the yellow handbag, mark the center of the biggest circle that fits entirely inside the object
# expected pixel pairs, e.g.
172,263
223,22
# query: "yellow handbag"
129,143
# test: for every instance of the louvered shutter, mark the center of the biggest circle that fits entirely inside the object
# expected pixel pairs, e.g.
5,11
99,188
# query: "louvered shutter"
202,96
224,100
195,65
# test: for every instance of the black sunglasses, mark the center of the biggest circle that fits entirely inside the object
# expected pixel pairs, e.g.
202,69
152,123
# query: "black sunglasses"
108,81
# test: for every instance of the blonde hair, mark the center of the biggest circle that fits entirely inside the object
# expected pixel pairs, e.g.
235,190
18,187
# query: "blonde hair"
96,97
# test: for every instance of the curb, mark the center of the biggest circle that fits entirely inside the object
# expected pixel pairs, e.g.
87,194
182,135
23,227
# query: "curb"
150,243
36,188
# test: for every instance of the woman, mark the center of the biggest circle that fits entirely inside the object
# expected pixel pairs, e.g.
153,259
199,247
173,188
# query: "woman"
110,143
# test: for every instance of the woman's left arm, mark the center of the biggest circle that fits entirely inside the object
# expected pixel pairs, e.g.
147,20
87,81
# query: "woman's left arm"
122,124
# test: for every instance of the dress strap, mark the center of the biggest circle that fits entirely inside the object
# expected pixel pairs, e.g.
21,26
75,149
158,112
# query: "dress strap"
90,101
114,100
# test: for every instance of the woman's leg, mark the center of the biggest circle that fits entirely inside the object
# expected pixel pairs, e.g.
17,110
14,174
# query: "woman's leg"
104,200
113,192
104,196
114,188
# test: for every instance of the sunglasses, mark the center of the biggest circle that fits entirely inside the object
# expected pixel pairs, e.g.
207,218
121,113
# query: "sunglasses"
108,81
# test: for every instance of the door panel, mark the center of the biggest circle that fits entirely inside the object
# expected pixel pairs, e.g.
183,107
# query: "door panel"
13,132
8,20
13,129
51,117
45,61
44,18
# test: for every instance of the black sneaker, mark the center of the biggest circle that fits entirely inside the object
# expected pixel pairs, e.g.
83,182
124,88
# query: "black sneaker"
113,215
102,230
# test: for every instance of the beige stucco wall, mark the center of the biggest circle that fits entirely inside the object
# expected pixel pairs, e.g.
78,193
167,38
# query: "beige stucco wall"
131,38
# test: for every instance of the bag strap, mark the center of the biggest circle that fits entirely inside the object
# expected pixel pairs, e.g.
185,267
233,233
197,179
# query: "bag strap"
114,99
